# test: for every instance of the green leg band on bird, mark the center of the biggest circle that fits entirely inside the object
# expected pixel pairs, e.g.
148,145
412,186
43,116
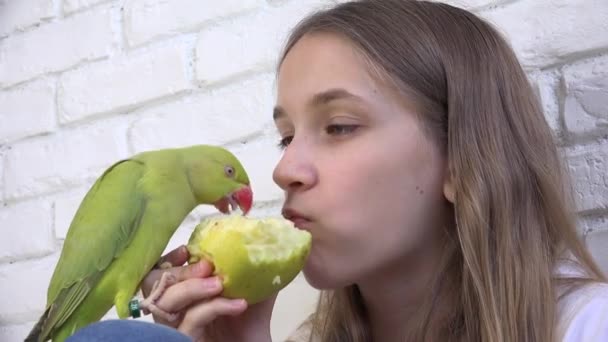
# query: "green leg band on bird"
134,308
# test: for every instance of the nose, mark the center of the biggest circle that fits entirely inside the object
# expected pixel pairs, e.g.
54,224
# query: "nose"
296,169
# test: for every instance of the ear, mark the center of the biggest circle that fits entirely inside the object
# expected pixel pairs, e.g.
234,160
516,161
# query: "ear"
448,186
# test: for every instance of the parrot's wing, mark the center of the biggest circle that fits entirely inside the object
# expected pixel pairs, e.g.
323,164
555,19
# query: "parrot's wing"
103,226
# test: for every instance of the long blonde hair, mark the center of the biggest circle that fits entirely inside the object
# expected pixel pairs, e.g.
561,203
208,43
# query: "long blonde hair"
513,212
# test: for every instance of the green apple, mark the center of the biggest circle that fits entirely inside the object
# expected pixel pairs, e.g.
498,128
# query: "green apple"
255,258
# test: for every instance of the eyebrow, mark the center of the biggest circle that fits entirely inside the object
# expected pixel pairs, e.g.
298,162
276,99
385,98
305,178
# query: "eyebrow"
319,99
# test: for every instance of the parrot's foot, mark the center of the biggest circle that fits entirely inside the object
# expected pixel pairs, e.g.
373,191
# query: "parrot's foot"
149,304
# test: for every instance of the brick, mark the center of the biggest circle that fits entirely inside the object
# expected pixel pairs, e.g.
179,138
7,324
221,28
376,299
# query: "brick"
30,225
589,170
216,117
15,332
259,158
23,286
597,241
2,186
76,5
546,32
17,15
122,83
546,85
65,206
150,19
79,38
51,163
470,4
29,109
586,103
251,42
587,223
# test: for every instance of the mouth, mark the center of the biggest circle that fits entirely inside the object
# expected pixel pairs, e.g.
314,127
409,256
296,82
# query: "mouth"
299,220
241,199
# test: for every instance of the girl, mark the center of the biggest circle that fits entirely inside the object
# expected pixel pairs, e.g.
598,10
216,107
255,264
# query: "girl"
417,156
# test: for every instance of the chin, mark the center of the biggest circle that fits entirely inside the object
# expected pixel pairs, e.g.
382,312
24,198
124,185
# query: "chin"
321,278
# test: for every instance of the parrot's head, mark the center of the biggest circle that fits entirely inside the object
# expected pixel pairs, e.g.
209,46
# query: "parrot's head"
217,177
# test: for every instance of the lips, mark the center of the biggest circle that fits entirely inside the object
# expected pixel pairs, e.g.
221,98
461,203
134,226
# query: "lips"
242,198
298,219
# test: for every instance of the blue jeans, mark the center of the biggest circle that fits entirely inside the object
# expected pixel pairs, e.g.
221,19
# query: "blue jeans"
127,330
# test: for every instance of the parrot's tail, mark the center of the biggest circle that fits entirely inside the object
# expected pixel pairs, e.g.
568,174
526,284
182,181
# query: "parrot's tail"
36,334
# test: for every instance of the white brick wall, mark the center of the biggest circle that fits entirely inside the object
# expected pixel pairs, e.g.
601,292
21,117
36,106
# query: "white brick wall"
56,46
123,83
70,6
51,163
248,44
28,110
566,29
23,14
31,234
586,86
150,19
86,82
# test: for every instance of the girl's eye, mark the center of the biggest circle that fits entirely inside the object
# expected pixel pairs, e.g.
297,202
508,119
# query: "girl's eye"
284,142
340,129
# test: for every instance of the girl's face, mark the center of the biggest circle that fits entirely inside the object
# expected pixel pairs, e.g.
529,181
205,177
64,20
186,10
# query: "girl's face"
358,171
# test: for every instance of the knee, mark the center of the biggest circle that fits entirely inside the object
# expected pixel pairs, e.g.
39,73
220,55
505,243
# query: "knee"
127,330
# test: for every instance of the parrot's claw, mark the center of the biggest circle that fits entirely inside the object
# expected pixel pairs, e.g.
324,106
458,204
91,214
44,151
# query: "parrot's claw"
148,305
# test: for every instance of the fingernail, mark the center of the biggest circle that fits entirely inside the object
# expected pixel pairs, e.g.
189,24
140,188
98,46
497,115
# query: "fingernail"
201,269
212,283
238,303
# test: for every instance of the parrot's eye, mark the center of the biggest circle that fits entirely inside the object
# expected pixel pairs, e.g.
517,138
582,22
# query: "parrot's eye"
229,170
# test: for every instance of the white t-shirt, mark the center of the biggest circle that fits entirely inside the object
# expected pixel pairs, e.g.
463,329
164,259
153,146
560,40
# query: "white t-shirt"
583,313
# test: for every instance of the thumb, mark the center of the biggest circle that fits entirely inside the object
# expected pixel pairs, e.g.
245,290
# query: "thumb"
172,263
200,269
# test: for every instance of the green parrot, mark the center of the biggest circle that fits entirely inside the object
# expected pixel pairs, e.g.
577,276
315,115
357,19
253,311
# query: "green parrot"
123,225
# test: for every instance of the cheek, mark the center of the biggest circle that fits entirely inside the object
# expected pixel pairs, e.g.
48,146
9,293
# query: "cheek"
412,204
377,207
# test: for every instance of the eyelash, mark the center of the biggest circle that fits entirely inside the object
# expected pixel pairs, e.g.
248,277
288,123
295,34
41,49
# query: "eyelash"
331,130
340,129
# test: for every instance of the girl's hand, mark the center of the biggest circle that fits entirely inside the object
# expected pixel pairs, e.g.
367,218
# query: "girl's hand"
201,313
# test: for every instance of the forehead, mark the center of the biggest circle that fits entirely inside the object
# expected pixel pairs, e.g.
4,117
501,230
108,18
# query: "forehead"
323,61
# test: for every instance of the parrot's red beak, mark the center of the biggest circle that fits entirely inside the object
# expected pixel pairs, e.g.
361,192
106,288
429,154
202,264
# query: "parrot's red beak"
242,198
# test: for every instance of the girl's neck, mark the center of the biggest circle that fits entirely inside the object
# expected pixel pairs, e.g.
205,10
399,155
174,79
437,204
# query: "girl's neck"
394,295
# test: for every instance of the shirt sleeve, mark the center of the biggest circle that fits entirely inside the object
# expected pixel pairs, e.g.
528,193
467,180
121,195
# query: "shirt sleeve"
589,319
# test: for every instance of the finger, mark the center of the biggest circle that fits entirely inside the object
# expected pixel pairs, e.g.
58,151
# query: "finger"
183,294
201,269
205,312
